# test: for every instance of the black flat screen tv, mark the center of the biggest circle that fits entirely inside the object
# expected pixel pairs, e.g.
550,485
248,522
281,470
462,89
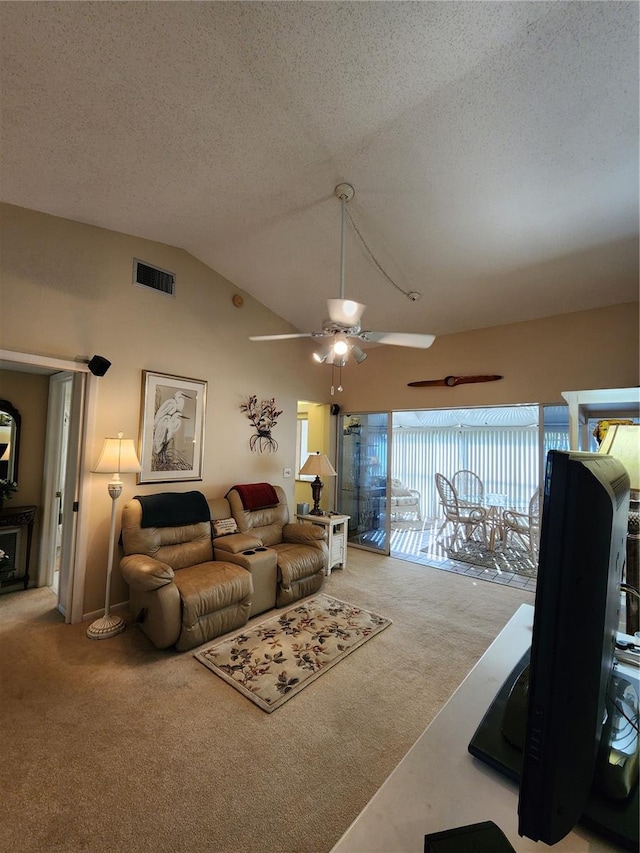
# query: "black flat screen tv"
546,725
577,611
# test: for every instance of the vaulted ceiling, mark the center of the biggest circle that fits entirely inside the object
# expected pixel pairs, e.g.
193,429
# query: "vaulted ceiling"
493,146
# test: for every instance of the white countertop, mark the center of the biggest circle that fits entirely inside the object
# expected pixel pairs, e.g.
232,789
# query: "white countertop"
438,785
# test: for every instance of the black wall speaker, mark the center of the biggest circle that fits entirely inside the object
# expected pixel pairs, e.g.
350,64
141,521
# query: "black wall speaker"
335,409
98,365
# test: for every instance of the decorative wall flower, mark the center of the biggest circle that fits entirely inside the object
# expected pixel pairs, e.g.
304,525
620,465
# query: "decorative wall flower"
264,416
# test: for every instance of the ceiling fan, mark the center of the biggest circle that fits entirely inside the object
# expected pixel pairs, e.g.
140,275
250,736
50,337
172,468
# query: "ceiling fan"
343,324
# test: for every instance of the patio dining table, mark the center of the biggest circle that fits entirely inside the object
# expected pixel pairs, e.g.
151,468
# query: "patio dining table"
495,504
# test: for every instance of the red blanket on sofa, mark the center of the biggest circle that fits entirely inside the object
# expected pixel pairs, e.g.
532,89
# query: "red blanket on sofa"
257,495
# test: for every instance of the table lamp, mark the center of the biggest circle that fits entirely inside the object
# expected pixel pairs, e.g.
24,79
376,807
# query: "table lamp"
118,457
623,442
317,464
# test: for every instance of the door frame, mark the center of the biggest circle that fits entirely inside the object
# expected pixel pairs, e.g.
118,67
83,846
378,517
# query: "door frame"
384,550
81,428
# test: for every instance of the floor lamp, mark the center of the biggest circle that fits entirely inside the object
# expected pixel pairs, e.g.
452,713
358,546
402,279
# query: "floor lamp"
118,457
317,464
623,442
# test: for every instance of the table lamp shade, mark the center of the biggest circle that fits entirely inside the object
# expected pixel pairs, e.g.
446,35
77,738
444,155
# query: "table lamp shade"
118,456
623,442
319,465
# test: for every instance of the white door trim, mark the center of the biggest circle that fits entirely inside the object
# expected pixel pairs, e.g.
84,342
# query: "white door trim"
51,476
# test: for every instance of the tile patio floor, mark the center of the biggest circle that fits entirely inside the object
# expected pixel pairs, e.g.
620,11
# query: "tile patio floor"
409,541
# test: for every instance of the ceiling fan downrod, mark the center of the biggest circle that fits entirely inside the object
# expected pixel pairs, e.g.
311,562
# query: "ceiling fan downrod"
345,193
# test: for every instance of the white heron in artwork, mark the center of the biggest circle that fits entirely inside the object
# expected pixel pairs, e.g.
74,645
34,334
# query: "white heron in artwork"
166,423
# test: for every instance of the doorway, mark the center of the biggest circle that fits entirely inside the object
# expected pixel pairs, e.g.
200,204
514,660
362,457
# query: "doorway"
66,437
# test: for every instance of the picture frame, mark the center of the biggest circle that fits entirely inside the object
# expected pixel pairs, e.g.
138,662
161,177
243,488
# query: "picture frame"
172,422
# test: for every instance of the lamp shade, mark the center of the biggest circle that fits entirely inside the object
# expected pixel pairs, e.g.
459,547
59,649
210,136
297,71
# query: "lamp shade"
118,457
623,442
319,465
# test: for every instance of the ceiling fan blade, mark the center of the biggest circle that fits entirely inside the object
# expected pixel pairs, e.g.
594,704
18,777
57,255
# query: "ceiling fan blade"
399,339
286,337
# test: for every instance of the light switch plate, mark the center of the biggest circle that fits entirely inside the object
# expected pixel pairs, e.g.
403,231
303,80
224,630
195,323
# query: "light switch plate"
287,472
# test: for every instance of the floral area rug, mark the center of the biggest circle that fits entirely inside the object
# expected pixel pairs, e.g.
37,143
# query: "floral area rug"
274,660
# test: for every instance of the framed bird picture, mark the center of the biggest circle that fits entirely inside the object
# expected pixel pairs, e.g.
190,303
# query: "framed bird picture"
171,428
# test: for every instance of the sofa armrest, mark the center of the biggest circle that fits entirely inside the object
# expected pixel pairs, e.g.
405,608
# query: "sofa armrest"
303,534
235,543
144,573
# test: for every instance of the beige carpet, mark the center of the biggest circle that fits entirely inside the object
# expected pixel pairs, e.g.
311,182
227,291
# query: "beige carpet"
114,745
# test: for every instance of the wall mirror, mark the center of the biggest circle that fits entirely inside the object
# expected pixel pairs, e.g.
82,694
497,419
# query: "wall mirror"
9,441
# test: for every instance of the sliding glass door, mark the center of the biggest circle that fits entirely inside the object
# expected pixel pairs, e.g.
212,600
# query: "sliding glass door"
363,452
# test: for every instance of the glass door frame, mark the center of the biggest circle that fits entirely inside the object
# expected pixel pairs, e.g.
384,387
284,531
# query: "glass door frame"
369,529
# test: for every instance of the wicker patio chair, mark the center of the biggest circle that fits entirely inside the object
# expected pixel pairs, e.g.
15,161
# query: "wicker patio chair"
525,526
466,516
469,487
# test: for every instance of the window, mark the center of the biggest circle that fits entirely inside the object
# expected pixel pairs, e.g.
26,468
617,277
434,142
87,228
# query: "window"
302,443
500,444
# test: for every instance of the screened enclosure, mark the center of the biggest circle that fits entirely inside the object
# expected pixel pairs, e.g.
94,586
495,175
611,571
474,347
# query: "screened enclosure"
504,446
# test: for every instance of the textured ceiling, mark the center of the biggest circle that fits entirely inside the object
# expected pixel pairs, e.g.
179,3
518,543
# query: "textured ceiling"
493,146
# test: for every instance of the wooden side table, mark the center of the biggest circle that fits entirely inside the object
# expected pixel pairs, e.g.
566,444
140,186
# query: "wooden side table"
20,516
336,527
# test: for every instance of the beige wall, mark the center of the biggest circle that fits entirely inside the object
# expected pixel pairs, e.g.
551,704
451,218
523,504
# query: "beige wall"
67,293
29,394
538,360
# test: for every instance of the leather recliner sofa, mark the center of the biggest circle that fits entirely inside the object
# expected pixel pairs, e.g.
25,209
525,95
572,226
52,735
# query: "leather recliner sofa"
302,556
186,588
178,593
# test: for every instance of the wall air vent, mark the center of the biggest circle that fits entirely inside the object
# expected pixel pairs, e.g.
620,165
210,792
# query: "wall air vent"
155,278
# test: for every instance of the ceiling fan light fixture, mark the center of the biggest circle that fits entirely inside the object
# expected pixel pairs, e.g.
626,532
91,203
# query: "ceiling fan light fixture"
358,354
320,356
345,312
340,344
